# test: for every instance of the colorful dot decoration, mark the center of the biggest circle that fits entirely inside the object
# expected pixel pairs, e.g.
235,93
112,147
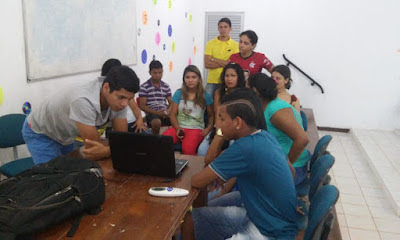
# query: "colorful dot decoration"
144,56
169,4
173,47
169,30
190,18
158,38
190,61
170,66
155,2
164,46
194,50
26,108
145,17
1,96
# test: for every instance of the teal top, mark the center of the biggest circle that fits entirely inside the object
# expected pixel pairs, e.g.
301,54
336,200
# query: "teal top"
284,140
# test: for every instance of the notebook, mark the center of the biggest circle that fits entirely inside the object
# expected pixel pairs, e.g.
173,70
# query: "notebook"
146,154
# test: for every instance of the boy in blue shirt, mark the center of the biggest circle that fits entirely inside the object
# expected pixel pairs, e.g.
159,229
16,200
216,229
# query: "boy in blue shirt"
260,166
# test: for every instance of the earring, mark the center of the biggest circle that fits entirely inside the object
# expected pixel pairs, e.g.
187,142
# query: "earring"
237,127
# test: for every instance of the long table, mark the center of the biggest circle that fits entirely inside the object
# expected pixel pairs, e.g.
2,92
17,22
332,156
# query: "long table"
129,212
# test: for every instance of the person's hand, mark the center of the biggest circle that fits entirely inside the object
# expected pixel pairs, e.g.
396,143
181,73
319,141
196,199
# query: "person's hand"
205,132
299,209
215,185
95,150
140,127
162,114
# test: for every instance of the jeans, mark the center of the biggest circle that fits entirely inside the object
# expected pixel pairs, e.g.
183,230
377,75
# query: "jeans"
41,147
224,222
211,88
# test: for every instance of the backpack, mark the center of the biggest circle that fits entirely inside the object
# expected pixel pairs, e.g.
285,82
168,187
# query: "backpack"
48,194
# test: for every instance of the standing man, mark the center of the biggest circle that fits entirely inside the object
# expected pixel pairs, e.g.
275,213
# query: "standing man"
218,51
50,130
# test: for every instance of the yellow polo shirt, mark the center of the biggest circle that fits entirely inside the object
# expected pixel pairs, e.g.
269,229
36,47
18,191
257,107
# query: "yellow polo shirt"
221,50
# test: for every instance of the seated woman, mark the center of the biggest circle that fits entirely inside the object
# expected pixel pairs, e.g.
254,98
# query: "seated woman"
281,74
187,112
250,61
232,77
284,122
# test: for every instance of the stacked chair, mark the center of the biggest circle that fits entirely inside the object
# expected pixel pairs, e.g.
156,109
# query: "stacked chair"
318,218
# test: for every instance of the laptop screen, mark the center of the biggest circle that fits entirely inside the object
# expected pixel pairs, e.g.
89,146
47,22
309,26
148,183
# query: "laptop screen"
142,153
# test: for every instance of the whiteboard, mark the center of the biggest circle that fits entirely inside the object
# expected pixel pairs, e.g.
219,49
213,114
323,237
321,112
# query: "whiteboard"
76,36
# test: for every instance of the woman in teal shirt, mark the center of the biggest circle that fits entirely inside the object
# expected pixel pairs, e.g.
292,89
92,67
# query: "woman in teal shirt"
284,122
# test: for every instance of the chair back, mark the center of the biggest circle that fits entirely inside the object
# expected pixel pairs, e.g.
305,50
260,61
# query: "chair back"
320,213
319,172
304,119
10,130
320,148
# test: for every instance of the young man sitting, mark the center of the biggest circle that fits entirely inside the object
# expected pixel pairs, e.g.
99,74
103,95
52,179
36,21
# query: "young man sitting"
155,98
50,130
260,166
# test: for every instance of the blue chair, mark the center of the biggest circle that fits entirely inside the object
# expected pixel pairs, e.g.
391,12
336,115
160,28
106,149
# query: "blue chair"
320,148
11,136
317,176
320,213
304,118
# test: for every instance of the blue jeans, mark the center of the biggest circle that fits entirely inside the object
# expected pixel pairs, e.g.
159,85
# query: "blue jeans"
301,174
41,147
224,222
211,88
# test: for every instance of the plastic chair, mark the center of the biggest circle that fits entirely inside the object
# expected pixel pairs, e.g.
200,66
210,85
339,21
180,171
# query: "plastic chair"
304,118
320,148
319,173
320,213
11,136
317,176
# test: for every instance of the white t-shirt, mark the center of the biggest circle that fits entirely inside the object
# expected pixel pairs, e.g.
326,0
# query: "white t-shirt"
56,117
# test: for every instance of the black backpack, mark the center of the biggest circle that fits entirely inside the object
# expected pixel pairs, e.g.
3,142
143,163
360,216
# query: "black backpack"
48,194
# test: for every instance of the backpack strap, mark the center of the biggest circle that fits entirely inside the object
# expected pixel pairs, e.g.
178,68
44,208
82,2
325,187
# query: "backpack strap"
75,225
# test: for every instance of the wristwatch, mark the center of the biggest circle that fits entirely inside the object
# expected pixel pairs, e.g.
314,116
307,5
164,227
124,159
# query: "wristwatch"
219,132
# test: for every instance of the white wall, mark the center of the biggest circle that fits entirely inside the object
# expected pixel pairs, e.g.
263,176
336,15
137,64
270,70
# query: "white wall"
350,47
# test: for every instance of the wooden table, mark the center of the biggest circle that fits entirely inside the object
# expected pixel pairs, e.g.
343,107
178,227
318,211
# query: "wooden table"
129,212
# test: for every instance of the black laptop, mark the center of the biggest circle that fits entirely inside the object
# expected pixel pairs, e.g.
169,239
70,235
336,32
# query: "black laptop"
146,154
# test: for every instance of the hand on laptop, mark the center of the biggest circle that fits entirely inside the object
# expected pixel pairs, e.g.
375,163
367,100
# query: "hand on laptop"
95,150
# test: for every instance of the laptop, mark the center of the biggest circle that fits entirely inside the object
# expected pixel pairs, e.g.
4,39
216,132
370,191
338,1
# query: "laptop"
146,154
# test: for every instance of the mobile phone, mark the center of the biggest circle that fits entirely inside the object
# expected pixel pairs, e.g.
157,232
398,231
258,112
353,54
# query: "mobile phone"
181,133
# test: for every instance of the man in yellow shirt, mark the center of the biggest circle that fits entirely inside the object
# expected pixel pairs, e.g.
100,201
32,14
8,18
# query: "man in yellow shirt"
218,51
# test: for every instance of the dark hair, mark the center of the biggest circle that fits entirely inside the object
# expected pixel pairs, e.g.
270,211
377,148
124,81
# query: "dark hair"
266,86
110,63
240,82
155,64
244,111
199,99
251,35
122,77
225,20
285,72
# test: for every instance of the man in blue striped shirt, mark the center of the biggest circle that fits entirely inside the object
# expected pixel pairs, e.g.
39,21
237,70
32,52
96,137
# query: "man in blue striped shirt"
155,98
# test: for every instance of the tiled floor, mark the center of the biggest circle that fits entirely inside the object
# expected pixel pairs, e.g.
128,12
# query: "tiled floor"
363,210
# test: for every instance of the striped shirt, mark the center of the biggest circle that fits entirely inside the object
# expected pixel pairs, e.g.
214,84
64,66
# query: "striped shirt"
156,97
